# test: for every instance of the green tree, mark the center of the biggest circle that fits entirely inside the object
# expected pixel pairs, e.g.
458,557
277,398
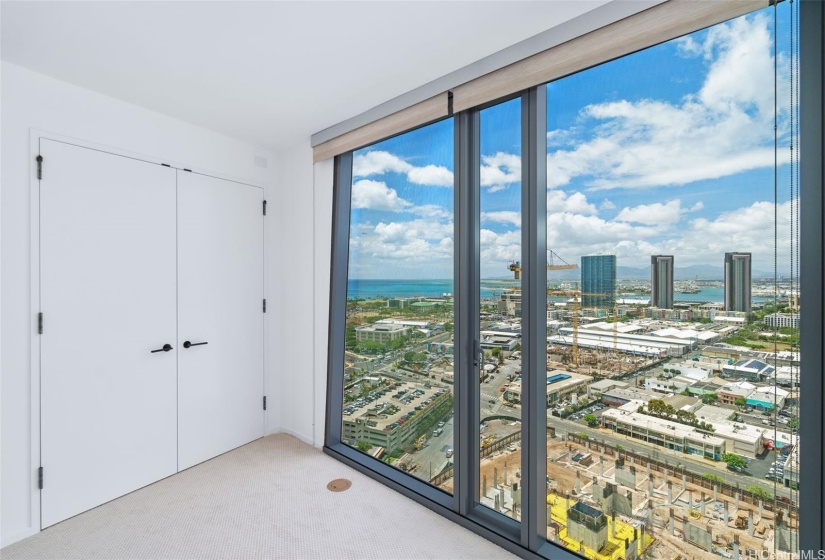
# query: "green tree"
364,446
734,460
793,423
710,398
591,419
409,356
740,401
713,477
448,327
760,492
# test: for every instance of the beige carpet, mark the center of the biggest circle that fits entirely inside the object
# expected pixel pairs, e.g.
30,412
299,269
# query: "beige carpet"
267,499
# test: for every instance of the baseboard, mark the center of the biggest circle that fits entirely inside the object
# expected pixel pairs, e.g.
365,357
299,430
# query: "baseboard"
302,437
6,540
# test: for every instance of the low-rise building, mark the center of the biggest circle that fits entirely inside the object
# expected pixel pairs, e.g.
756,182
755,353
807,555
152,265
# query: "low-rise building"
704,387
503,340
750,369
767,398
381,333
621,396
742,439
597,388
729,393
668,386
665,433
559,384
399,419
780,320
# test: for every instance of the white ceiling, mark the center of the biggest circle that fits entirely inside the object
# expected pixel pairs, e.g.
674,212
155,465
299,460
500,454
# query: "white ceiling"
272,73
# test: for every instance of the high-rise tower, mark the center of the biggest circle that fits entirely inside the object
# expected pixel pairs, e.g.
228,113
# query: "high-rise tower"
661,281
598,277
738,282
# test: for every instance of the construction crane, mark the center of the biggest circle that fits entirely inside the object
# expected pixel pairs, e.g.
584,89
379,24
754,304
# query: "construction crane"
575,294
515,266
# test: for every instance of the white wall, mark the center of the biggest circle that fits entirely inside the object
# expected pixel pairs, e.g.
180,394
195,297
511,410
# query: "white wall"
33,101
323,247
291,343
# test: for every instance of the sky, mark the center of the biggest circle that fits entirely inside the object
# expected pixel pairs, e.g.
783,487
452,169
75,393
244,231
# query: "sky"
665,151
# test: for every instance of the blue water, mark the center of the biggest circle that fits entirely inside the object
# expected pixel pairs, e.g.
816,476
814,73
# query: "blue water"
375,289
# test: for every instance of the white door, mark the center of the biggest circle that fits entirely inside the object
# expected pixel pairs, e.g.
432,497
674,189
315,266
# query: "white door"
107,262
220,316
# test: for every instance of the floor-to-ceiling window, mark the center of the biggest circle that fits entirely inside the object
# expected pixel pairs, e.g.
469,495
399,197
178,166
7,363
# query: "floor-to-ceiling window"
398,361
670,186
499,336
654,407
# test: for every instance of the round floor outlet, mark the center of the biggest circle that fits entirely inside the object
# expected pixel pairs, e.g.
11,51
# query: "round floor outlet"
339,485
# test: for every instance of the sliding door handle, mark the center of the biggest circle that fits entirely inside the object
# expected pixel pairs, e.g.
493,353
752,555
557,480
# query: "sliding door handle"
166,348
187,344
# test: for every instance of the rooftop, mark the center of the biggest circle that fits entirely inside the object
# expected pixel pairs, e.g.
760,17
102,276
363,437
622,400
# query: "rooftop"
662,426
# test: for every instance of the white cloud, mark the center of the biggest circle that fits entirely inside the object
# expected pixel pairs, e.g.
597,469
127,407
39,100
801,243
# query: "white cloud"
724,128
500,170
656,214
434,175
376,195
575,203
379,162
698,206
607,205
498,249
502,217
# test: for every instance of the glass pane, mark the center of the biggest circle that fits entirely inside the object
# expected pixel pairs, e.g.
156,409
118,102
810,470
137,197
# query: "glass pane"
673,430
500,317
398,385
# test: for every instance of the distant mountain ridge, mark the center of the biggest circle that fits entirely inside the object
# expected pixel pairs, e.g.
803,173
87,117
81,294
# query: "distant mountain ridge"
682,273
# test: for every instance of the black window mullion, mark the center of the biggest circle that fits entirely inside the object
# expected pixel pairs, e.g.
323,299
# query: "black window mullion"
339,260
534,316
466,326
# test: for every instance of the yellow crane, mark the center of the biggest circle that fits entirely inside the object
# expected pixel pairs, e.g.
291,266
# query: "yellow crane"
515,266
575,294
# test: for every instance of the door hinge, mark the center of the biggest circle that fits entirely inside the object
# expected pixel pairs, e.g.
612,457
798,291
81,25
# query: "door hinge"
264,305
40,478
264,207
40,323
39,167
264,402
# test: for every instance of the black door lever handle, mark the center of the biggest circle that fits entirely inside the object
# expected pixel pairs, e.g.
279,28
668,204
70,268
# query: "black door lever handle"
166,348
187,344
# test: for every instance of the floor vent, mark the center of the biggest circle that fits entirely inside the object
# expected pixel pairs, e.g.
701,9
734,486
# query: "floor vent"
339,485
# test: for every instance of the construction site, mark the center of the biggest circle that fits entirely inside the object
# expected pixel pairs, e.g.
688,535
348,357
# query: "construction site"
606,356
605,505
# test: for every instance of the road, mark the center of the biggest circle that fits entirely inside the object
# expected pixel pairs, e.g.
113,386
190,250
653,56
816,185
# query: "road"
432,456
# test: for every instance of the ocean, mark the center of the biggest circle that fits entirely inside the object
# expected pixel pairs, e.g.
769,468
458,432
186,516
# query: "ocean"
490,289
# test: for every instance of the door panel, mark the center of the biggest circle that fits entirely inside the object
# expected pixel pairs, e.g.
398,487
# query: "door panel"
220,279
108,405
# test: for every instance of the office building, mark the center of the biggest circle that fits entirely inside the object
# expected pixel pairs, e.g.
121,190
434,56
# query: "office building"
738,282
598,283
661,281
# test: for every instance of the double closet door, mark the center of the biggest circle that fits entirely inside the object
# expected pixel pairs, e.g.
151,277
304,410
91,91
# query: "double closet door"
151,352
